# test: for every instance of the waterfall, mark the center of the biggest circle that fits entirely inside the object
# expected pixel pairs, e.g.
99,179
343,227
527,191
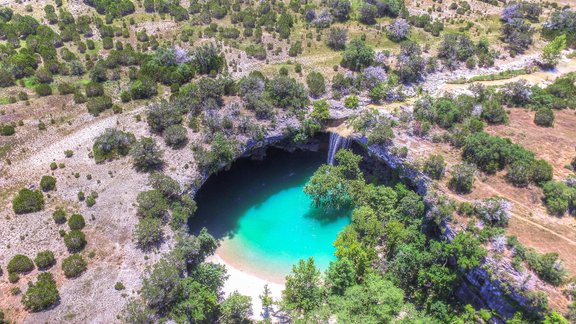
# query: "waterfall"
336,142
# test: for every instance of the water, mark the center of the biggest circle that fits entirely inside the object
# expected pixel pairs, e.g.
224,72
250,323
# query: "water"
264,220
336,142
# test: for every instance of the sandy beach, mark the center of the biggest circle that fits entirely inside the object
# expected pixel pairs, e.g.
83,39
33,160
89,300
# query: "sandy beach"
247,283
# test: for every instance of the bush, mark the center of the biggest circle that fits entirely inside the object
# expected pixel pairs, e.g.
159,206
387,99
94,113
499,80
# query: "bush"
76,222
286,92
42,294
75,241
28,201
65,88
146,154
44,260
162,115
316,84
558,197
175,136
74,265
143,89
97,105
351,102
169,187
357,55
494,210
20,264
519,173
59,216
7,130
43,90
94,89
435,166
47,183
337,38
152,204
462,179
544,117
112,143
148,232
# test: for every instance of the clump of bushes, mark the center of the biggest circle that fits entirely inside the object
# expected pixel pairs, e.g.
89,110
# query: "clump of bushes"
44,260
74,265
47,183
42,294
559,197
28,201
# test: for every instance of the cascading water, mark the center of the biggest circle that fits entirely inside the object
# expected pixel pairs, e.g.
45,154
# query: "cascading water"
336,142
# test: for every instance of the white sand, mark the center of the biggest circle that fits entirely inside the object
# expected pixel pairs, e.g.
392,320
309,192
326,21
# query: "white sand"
248,284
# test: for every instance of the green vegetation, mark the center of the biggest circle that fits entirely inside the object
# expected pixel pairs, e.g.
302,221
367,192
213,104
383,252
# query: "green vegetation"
74,265
44,260
75,241
20,264
28,201
76,222
48,183
42,294
59,216
112,144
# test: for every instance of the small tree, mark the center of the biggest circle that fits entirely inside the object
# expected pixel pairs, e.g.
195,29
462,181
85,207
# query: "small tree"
20,264
169,187
152,203
357,55
551,52
146,154
316,84
148,232
28,201
494,210
112,143
76,222
59,216
337,38
47,183
44,260
544,117
435,166
303,292
175,136
236,308
42,294
462,179
74,265
143,88
75,241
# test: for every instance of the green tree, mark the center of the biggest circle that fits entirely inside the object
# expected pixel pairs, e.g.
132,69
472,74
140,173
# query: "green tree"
552,51
316,84
435,166
357,55
74,265
20,264
148,232
152,204
303,291
146,154
44,259
236,309
47,183
28,201
340,275
42,294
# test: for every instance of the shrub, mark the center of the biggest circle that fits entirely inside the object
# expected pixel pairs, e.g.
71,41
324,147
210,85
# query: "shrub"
98,105
494,210
47,183
286,92
175,136
462,179
94,89
398,30
59,216
558,197
337,38
519,173
112,143
148,232
65,88
44,260
541,172
76,222
548,267
42,294
75,241
152,204
544,117
143,89
20,264
74,265
119,286
43,90
162,115
7,130
146,154
357,55
351,102
28,201
435,166
381,134
169,187
316,84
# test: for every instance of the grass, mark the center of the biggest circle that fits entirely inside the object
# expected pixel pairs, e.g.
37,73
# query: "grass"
504,75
